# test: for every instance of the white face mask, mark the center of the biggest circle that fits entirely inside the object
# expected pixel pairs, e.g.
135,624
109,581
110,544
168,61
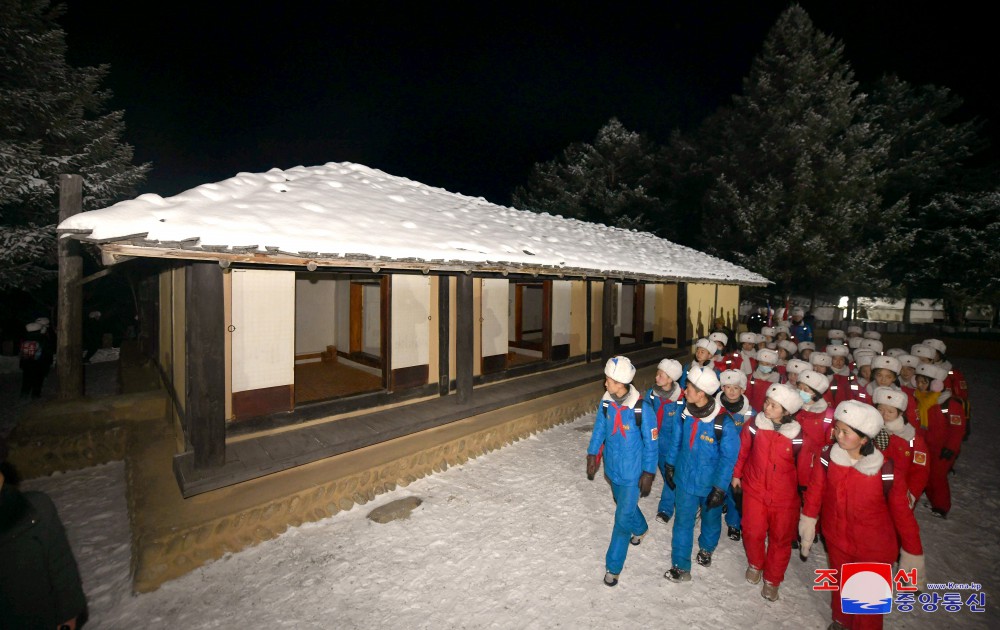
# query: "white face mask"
805,396
836,342
766,369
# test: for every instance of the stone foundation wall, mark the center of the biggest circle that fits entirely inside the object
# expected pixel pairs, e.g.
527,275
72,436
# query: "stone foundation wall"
156,559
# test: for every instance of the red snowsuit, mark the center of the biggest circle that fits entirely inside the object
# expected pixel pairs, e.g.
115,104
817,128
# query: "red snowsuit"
767,471
910,457
945,428
817,433
735,360
757,388
857,518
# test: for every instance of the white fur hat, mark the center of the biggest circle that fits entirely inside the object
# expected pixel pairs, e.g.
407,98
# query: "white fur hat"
872,334
908,360
704,379
620,369
797,366
798,310
923,351
789,346
854,342
855,330
889,396
782,328
786,396
815,380
766,355
719,337
94,314
748,337
821,358
884,362
33,327
863,359
860,416
837,351
42,321
872,344
806,345
672,368
932,371
760,338
835,333
733,377
706,344
767,331
937,344
895,352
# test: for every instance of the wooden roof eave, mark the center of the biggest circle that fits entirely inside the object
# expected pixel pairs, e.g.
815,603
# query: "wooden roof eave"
125,248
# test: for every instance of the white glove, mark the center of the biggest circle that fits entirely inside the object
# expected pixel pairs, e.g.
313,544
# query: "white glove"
910,499
908,562
807,534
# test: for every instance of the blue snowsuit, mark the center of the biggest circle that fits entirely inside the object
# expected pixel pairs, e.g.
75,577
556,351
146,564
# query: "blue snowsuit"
629,451
700,463
667,414
747,413
801,331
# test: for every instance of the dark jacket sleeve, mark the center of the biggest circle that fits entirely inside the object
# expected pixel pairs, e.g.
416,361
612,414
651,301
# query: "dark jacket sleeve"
67,587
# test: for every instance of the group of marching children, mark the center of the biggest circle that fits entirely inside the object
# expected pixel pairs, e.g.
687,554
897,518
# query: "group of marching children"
793,441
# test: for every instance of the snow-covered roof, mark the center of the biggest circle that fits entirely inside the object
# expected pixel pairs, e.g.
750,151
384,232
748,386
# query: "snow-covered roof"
349,215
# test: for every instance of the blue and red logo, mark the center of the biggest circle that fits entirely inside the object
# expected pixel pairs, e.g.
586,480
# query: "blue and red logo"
866,588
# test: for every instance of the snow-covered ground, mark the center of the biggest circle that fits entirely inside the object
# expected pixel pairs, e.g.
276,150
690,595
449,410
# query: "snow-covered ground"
513,539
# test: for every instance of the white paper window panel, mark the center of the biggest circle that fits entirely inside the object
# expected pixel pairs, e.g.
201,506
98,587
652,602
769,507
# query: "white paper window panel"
410,309
495,298
562,295
264,329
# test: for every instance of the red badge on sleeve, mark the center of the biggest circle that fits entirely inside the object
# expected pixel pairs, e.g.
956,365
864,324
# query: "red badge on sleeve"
655,432
920,458
956,419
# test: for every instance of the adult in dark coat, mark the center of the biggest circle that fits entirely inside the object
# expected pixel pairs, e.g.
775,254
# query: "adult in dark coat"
39,582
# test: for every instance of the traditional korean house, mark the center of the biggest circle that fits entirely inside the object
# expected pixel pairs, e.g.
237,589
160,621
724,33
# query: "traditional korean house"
288,297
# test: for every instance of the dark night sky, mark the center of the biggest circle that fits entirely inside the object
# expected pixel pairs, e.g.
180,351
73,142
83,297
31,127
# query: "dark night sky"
465,98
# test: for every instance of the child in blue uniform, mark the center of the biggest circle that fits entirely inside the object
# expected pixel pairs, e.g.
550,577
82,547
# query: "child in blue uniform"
736,406
630,451
664,401
700,466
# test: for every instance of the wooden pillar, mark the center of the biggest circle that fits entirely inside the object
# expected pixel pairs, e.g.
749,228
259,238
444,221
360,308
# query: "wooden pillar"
69,331
444,332
607,323
683,336
205,354
464,338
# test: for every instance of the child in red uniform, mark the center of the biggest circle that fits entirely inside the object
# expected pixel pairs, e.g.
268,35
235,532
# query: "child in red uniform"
943,420
766,472
762,377
846,490
793,369
908,451
816,418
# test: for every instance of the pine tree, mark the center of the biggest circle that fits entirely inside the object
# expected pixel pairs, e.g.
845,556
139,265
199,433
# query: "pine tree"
604,182
52,121
795,170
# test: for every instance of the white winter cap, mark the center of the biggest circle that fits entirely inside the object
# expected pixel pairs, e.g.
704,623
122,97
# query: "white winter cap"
937,344
932,371
766,355
704,379
854,330
760,338
33,327
671,367
748,337
782,328
860,416
884,362
923,351
835,333
767,331
42,321
837,351
872,334
895,352
620,369
908,360
806,345
862,352
798,310
707,345
786,396
720,337
815,380
872,344
796,366
788,345
854,342
94,314
820,358
733,377
863,360
888,396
